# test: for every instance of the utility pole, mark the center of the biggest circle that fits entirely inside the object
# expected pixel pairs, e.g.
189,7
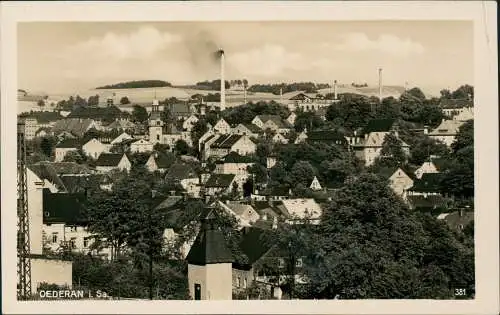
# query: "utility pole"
23,235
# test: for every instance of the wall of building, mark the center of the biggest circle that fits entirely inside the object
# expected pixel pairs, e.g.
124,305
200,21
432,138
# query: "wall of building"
244,146
219,281
94,148
446,139
51,271
35,210
197,274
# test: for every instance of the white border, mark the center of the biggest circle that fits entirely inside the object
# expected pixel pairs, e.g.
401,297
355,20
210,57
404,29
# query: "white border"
486,134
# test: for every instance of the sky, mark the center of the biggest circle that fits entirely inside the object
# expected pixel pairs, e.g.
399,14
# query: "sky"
72,56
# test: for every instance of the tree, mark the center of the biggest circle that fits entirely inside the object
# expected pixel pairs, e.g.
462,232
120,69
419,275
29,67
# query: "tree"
463,92
47,145
41,104
392,153
181,147
369,245
302,173
93,100
308,120
417,93
351,112
80,102
124,100
465,137
388,109
424,148
139,114
74,156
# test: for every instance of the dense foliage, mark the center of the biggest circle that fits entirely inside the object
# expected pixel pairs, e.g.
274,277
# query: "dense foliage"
136,84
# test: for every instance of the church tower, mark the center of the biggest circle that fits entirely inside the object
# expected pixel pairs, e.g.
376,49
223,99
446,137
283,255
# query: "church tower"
210,263
155,124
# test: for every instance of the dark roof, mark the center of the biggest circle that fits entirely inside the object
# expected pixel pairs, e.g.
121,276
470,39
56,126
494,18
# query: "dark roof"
180,171
69,143
428,202
255,242
180,109
163,161
253,128
387,172
226,142
111,112
430,182
46,171
300,97
109,159
327,136
455,103
234,157
439,163
43,117
77,184
209,246
220,180
63,208
75,126
280,122
379,125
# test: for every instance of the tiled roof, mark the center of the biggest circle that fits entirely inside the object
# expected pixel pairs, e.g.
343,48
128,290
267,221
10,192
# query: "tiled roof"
280,122
326,135
226,142
179,109
255,243
428,202
234,157
76,126
63,208
299,97
181,171
78,183
163,161
109,159
69,143
430,182
447,127
379,125
43,117
209,246
220,180
387,172
253,128
46,171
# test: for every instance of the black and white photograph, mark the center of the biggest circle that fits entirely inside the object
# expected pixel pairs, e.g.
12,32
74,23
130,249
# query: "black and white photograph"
294,161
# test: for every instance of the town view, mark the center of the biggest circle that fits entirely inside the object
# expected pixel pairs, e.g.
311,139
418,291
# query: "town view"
157,164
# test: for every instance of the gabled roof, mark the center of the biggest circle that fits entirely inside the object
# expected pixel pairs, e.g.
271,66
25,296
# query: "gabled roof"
430,182
109,159
326,135
255,243
447,127
234,157
181,171
253,128
63,208
300,97
69,143
220,180
387,172
78,183
428,202
276,119
162,160
226,142
209,246
379,125
46,171
76,126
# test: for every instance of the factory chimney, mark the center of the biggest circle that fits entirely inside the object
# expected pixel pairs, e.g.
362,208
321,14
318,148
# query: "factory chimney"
222,82
335,89
380,84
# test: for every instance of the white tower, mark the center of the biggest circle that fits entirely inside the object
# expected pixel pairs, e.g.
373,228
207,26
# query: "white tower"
222,82
155,124
210,274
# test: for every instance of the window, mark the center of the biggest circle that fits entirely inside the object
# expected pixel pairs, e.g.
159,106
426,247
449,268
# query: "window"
281,263
244,283
298,262
238,282
157,123
157,137
72,228
73,242
197,291
54,237
85,242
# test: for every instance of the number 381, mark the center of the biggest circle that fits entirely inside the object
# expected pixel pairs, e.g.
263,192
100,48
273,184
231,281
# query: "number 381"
460,292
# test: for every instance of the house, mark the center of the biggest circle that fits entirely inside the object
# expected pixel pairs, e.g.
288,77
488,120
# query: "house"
122,137
250,130
222,127
141,146
369,147
291,118
400,180
236,164
65,146
173,134
432,166
301,209
307,102
220,184
122,124
30,128
279,138
447,131
273,122
428,185
47,176
458,220
113,161
75,126
244,214
189,123
159,162
222,145
325,136
181,111
93,148
186,175
36,120
315,185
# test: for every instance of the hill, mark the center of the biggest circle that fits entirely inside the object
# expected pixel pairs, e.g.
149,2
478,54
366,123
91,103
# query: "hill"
136,85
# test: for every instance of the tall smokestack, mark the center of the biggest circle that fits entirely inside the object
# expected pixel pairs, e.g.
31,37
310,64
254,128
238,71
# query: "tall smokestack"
335,89
380,84
222,82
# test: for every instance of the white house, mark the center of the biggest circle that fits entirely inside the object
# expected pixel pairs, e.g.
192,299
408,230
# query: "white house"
279,138
65,146
158,162
236,164
141,146
250,130
400,182
222,127
111,161
272,122
93,148
291,119
447,131
122,137
431,166
224,144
